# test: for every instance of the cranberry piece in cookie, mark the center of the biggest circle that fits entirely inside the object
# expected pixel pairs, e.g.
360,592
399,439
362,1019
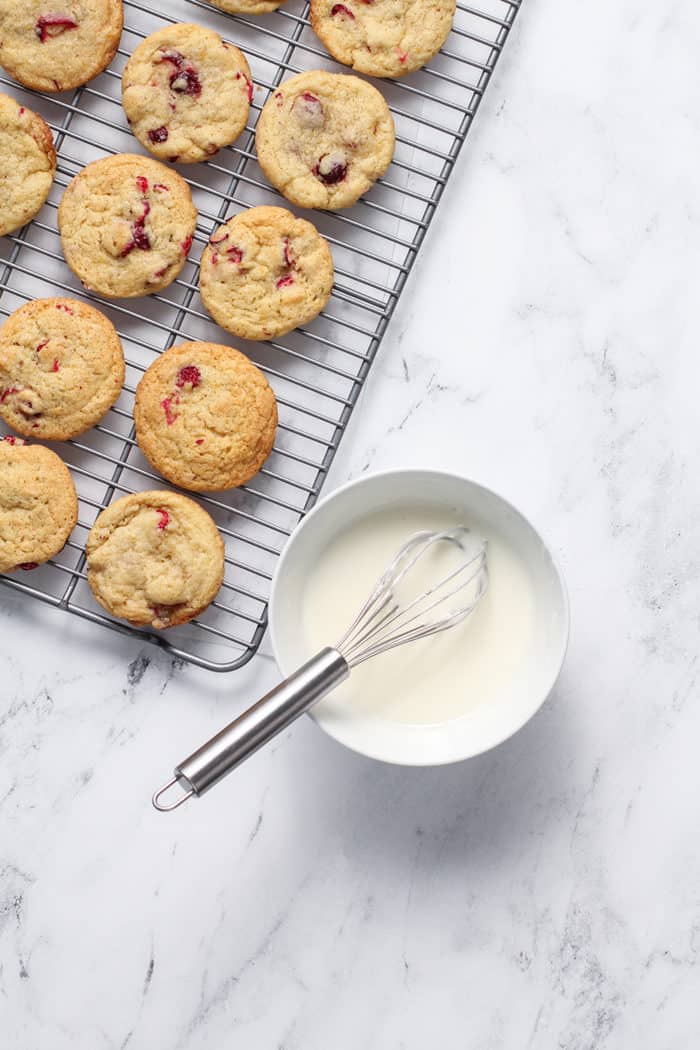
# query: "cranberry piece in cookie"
51,25
189,376
308,110
331,168
186,94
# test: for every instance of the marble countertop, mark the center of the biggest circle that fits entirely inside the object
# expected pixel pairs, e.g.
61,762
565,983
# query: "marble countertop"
544,895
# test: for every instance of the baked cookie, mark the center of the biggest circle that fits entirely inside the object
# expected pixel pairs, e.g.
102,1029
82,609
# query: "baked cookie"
126,225
61,368
51,46
205,416
38,504
323,139
27,164
384,38
247,7
265,272
186,93
154,558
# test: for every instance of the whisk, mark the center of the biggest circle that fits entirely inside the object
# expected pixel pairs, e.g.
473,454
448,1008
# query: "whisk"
383,623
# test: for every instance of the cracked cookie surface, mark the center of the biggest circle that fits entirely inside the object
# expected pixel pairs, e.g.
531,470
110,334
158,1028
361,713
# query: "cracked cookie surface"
61,368
186,93
205,416
55,45
265,272
155,558
383,38
324,138
38,504
126,225
27,164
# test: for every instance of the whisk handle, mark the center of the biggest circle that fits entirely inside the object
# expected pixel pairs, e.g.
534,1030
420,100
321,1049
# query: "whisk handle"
256,726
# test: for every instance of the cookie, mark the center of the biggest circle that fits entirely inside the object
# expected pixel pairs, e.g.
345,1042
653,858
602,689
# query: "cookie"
247,7
186,93
323,139
27,164
154,558
205,416
126,225
61,368
38,504
53,46
265,272
384,38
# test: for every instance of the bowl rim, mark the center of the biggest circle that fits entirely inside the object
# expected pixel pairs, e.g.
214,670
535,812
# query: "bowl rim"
450,475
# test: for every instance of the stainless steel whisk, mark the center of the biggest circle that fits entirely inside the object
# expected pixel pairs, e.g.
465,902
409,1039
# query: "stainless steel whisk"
382,623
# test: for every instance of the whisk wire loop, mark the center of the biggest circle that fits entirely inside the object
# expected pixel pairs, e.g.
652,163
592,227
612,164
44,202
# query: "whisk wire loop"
383,622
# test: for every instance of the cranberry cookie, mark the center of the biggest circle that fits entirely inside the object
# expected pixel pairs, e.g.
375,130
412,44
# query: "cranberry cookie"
205,416
27,164
61,368
55,45
126,225
265,272
383,38
38,504
323,139
186,93
154,558
247,7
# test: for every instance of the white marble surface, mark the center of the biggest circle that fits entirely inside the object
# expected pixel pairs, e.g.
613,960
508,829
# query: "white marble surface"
545,895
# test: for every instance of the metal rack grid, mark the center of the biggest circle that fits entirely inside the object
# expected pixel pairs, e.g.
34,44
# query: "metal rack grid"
317,372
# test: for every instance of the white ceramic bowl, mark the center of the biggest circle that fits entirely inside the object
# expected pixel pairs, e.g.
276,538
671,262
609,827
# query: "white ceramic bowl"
484,725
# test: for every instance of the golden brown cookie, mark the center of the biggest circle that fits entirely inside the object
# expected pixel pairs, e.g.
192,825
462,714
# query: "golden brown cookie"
38,504
205,416
154,558
265,272
61,368
186,93
383,38
324,138
247,7
27,164
126,225
54,45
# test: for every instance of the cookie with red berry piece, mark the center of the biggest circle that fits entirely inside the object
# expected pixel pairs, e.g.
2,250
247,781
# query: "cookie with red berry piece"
247,7
186,93
383,38
155,558
126,225
265,272
38,504
61,368
324,138
205,416
56,45
27,164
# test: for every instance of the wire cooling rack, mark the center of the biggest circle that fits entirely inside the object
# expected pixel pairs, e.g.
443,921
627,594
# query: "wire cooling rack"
317,372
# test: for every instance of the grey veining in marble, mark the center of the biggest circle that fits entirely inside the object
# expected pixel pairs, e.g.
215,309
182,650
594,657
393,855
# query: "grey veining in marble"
545,895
